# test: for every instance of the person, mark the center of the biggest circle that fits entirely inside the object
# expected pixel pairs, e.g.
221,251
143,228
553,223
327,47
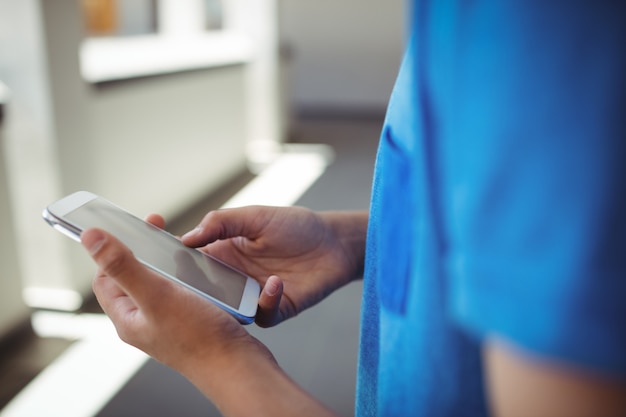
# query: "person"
493,252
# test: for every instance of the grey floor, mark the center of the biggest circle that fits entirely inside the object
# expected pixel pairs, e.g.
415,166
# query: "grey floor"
318,349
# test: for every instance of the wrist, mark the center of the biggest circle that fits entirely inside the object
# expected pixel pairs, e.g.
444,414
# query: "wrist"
249,381
221,358
350,229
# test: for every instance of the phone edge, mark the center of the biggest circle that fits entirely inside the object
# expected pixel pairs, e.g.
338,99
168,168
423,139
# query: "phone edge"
251,288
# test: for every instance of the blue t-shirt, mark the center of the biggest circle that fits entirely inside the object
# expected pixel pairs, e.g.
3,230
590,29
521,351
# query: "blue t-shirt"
499,201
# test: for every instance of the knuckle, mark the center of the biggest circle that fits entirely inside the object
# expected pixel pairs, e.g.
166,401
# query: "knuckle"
211,218
115,261
96,283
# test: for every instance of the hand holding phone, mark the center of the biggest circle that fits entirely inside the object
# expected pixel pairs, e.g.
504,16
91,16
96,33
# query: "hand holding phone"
219,283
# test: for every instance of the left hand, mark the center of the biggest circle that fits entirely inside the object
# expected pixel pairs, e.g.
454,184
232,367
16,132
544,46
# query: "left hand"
164,319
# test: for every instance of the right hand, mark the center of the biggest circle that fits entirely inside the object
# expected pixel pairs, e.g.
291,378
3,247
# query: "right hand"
299,256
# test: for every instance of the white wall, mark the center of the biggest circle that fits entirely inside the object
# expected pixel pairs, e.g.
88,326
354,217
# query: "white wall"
346,52
167,139
28,143
13,311
149,144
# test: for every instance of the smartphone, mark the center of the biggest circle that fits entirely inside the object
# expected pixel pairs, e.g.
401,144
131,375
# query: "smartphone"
160,251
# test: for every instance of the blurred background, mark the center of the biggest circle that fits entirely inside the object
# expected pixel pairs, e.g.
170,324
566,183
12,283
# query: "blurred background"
176,107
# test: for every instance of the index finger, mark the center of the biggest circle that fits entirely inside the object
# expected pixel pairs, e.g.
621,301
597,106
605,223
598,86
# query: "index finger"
248,222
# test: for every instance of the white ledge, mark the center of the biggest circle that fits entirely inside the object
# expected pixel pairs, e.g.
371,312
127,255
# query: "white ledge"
110,59
4,93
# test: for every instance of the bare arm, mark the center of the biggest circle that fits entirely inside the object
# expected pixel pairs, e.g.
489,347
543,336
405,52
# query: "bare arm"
521,385
298,255
193,336
253,386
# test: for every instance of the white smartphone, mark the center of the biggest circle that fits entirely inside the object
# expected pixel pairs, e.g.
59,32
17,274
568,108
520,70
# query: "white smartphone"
221,284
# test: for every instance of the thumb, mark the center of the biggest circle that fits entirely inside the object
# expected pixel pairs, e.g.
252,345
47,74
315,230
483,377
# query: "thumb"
268,313
115,260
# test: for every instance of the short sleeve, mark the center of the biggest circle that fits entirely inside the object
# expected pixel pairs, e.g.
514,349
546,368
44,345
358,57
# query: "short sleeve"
532,162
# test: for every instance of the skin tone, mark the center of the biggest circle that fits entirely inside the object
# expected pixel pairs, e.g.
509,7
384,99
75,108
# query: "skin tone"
522,384
312,253
299,257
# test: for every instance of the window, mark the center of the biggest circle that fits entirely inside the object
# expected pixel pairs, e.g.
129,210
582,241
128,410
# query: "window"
136,38
141,17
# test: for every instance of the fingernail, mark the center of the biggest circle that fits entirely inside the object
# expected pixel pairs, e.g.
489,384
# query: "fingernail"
92,241
271,287
192,232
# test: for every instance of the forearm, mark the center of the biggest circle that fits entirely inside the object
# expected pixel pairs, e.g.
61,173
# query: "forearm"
254,385
350,227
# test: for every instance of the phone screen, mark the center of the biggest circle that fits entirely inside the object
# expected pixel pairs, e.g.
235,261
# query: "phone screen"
162,251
